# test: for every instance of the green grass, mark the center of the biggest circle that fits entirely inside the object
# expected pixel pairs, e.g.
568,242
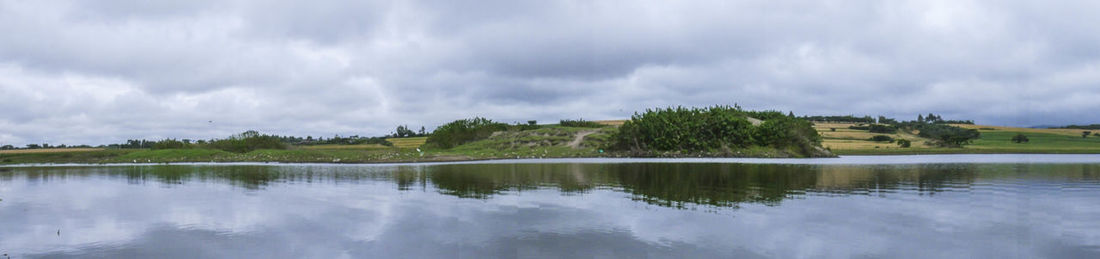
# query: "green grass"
1039,142
87,157
1000,142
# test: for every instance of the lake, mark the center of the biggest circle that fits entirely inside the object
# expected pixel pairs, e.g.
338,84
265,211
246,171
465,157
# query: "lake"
946,206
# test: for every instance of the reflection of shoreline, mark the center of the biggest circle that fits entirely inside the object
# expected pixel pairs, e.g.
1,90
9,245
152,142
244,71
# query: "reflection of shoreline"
886,159
678,185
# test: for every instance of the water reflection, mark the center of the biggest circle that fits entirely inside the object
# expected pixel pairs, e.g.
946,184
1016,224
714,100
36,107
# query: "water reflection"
555,210
665,184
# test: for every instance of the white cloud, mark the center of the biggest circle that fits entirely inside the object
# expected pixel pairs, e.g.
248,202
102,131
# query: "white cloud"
119,70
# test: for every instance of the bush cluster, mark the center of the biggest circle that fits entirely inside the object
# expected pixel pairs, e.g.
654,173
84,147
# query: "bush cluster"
882,138
706,129
947,135
246,142
904,143
463,131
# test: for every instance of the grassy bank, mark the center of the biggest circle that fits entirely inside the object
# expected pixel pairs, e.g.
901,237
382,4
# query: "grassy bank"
567,142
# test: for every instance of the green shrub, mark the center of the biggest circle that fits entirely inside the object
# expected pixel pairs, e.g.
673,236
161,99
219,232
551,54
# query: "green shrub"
947,135
882,138
904,143
685,129
171,144
884,129
1020,139
708,129
247,142
580,123
463,131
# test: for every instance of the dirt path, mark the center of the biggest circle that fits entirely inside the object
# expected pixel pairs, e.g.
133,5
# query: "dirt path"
576,143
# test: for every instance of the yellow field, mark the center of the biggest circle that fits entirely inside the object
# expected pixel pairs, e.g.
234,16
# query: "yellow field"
48,150
611,122
413,142
847,139
338,146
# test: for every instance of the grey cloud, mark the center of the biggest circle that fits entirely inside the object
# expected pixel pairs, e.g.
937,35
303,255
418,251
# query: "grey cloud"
164,69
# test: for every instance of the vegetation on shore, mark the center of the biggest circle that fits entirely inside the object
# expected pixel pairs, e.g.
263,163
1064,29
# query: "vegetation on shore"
719,131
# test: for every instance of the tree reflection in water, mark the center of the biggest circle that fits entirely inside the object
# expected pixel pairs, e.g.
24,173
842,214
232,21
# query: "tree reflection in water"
678,185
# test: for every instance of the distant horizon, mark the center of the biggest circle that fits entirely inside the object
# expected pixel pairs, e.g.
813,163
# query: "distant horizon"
92,71
430,128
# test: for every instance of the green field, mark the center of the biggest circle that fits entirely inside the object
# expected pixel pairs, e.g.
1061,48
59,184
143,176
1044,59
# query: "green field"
994,140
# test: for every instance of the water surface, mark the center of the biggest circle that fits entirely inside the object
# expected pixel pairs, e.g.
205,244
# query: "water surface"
912,207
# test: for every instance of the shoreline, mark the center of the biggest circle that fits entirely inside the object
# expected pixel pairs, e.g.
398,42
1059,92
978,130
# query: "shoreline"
893,159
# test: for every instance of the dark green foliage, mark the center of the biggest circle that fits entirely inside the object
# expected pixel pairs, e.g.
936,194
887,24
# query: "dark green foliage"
1089,127
845,118
884,129
884,120
904,143
1020,138
707,129
404,132
859,127
947,135
246,142
832,129
171,144
686,129
933,118
580,123
462,131
1085,134
7,147
882,138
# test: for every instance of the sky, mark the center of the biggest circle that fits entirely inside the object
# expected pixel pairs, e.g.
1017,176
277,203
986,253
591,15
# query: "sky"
103,71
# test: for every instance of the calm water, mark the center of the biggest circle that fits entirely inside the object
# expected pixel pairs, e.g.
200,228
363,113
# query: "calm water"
909,207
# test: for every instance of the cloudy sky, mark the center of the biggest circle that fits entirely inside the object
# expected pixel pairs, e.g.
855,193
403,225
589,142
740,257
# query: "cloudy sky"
102,71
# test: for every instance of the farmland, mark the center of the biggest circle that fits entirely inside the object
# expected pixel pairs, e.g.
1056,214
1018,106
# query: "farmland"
994,139
412,142
548,141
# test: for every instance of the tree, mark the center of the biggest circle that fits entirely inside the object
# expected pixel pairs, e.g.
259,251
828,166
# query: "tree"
882,138
404,131
7,147
905,143
422,132
920,118
1020,139
1085,134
